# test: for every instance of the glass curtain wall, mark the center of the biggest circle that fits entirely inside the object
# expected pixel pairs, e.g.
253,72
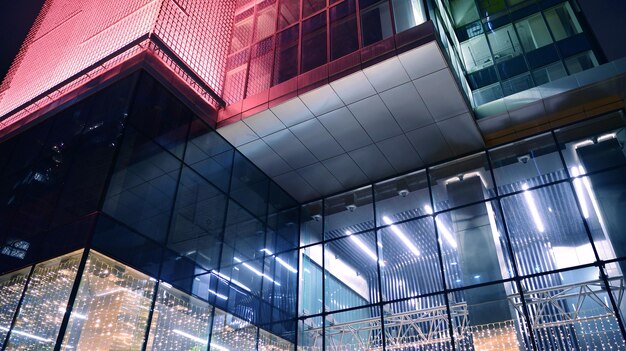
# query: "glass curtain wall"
501,250
510,46
275,40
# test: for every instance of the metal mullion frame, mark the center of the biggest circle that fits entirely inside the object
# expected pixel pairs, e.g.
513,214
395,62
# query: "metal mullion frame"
441,265
323,243
602,267
295,319
378,260
221,246
17,309
509,247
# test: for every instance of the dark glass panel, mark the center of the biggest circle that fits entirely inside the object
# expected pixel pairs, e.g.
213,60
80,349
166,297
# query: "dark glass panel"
314,43
343,29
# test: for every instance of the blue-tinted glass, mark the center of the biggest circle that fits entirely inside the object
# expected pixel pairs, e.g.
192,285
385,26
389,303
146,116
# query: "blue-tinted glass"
281,293
198,220
474,245
354,330
210,155
179,271
143,186
310,292
546,229
411,259
249,187
311,333
244,236
311,223
348,213
402,198
160,116
351,272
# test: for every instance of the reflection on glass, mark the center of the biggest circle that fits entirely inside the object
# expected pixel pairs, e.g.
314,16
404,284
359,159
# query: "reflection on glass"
349,212
376,22
11,288
549,73
310,294
572,309
533,32
113,301
581,62
41,313
476,54
271,342
402,198
179,322
311,223
562,21
232,333
473,245
354,330
310,334
488,318
418,324
409,251
504,43
351,274
534,161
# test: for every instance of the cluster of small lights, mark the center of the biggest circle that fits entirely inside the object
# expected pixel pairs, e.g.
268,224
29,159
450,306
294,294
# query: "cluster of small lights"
111,309
41,313
179,322
10,291
231,333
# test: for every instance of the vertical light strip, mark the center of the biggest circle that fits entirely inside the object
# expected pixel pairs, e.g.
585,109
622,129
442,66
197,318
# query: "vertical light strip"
442,228
532,206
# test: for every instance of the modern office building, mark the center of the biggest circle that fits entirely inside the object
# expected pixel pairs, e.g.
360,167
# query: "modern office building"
314,175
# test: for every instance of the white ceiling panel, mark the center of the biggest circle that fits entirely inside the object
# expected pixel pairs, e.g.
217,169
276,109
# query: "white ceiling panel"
295,185
320,178
290,149
407,107
400,153
237,133
345,129
345,170
372,162
461,134
423,60
265,158
387,74
292,112
264,123
353,88
430,144
375,118
441,95
317,139
322,100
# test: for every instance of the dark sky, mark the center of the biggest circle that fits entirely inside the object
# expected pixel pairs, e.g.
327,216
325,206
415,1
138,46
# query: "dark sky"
16,18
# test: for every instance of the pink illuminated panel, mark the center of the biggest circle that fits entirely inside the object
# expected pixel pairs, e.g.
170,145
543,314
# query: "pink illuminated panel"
74,41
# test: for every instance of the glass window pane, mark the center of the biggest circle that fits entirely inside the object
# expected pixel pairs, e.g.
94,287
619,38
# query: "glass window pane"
288,13
402,198
261,63
462,11
143,186
517,84
179,322
461,182
350,212
504,43
310,294
533,32
411,259
581,62
534,161
11,288
244,234
562,21
313,42
489,7
310,7
549,73
476,54
249,187
572,308
208,154
272,342
487,94
42,310
594,145
489,317
343,34
546,229
354,330
418,324
473,244
232,333
242,31
616,285
351,272
376,23
310,334
311,223
113,300
286,57
265,19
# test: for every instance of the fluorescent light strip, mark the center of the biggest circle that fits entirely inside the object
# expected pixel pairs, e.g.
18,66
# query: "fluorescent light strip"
402,236
281,261
111,292
532,206
257,272
442,228
35,337
223,297
364,248
607,137
578,186
228,279
189,336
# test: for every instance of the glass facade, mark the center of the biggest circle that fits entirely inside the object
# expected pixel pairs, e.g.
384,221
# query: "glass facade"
275,40
141,228
506,47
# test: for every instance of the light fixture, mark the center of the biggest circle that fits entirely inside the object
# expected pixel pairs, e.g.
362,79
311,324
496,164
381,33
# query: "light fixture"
401,236
256,271
223,297
532,206
578,186
35,337
281,261
364,248
228,279
445,232
192,337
